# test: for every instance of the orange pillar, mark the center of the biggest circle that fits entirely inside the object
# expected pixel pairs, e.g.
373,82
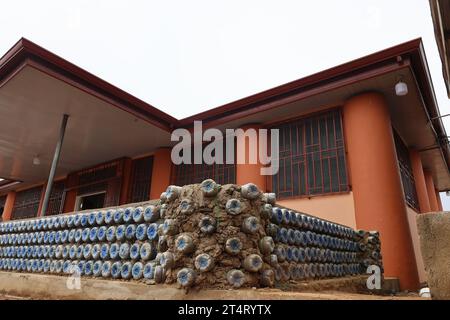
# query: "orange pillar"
248,172
161,172
126,180
431,191
438,197
377,190
419,180
9,205
69,201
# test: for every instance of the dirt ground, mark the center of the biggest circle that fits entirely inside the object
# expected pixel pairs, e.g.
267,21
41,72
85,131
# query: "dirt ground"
15,286
281,295
9,297
336,295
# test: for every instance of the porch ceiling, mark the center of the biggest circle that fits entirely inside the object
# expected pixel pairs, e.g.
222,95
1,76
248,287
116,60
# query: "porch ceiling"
31,107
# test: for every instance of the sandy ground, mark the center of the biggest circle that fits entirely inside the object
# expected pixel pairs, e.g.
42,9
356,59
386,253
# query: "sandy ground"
336,295
9,297
14,286
277,295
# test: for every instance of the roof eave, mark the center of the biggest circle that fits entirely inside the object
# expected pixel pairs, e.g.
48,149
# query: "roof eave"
25,50
328,75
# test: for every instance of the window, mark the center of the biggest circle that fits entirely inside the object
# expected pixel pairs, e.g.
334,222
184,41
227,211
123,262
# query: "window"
98,173
56,196
184,174
404,163
26,204
106,177
141,177
91,201
312,157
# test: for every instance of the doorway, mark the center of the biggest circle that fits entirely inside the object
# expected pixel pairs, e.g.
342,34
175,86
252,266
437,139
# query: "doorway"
91,201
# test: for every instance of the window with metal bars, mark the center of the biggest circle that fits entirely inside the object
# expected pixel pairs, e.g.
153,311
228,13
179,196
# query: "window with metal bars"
56,197
141,177
26,204
311,156
98,173
184,174
2,205
406,174
92,188
104,177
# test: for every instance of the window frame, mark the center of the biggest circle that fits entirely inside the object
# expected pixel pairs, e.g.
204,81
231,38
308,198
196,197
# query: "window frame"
27,203
136,179
405,171
344,188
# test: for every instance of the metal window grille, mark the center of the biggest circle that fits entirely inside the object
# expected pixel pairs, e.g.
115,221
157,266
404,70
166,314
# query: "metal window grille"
26,204
407,177
105,177
92,188
141,177
2,204
56,197
184,174
311,157
99,173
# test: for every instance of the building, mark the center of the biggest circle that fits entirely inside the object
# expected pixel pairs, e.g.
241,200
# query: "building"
351,149
440,13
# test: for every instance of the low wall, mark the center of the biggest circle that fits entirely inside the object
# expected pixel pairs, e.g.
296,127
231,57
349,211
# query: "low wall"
434,231
199,236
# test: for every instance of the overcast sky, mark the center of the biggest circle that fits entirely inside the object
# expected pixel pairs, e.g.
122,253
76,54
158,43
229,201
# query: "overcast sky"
185,57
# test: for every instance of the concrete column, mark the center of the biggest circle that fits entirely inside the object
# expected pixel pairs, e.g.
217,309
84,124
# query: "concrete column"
438,197
51,175
70,201
431,191
9,205
419,179
376,184
248,172
161,172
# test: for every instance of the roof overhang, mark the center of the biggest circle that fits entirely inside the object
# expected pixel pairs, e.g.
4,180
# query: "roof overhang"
25,52
105,123
415,116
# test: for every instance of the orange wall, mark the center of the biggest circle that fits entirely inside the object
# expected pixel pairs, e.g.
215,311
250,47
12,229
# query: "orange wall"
338,208
247,172
161,172
69,201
